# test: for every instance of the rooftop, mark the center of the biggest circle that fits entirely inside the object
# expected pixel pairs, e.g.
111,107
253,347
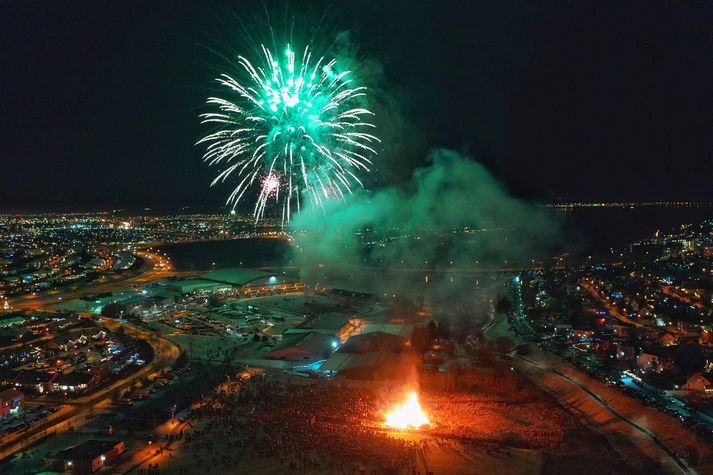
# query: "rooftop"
373,342
303,346
235,275
91,448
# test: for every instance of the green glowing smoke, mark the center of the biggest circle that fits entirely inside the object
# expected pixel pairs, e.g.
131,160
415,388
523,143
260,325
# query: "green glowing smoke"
450,221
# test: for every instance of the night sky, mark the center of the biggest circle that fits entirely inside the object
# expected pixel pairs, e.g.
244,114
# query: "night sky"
590,100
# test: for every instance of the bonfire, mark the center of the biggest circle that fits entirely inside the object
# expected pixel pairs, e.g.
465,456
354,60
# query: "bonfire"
407,415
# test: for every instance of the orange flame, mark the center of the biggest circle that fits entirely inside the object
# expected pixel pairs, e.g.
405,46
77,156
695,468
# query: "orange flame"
407,414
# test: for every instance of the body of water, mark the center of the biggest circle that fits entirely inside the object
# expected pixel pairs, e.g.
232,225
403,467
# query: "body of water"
597,230
207,255
584,231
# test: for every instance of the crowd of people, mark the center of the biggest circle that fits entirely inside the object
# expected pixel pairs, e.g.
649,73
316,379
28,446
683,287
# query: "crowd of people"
272,422
531,424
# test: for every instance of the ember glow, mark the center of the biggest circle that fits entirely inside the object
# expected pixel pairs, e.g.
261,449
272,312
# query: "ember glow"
408,414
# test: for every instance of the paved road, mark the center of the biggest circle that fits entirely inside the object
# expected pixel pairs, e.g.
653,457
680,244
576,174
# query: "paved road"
154,267
165,354
599,407
671,292
613,311
632,428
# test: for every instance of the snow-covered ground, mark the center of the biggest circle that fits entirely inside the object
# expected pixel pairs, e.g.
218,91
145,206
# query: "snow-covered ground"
633,429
